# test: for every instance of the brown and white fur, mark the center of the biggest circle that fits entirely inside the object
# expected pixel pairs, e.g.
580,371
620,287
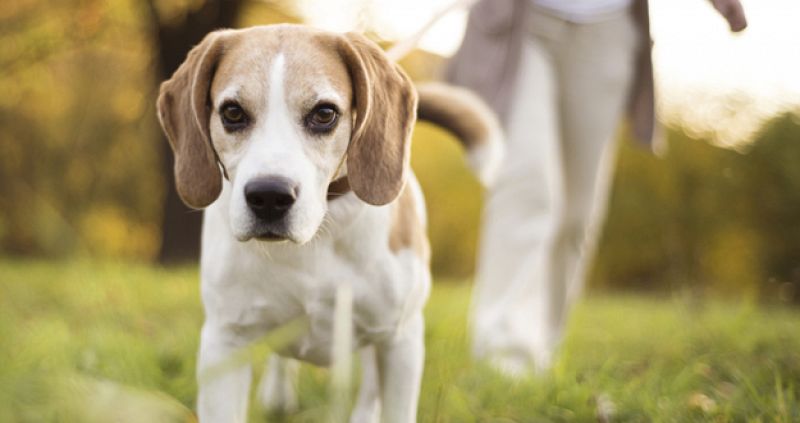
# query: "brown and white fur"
348,208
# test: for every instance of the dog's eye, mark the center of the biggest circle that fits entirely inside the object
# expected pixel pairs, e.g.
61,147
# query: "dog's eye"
322,118
233,117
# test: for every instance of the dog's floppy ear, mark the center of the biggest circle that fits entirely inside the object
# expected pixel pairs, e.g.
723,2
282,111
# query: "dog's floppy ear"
385,103
184,111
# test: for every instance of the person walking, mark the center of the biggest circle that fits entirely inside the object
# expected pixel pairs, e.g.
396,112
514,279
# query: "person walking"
560,74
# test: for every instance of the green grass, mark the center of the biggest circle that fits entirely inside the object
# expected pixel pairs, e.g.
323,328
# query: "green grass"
89,341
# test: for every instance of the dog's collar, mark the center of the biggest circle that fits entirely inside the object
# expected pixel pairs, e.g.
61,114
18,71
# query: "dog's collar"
338,188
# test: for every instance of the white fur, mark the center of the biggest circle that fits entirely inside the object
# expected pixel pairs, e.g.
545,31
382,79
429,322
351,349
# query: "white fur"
250,287
487,157
485,160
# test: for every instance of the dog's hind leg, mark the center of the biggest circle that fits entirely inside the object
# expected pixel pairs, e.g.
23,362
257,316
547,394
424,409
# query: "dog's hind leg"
368,407
278,388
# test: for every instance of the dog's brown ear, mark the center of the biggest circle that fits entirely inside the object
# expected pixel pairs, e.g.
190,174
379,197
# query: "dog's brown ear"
184,111
385,104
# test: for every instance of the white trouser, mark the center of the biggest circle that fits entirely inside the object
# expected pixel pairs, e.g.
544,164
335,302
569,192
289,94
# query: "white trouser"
570,93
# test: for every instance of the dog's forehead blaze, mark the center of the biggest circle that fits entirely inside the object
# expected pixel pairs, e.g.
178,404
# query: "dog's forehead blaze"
311,59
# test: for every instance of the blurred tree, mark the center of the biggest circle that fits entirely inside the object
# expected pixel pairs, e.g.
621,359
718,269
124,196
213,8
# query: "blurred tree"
706,219
72,106
174,33
773,189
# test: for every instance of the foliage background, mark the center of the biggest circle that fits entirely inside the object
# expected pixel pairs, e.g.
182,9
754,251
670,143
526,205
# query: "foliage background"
92,330
81,159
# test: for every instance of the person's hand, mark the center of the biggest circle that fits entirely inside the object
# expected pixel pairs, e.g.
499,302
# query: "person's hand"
733,12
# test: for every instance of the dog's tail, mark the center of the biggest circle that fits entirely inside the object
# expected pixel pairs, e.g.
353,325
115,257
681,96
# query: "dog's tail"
467,117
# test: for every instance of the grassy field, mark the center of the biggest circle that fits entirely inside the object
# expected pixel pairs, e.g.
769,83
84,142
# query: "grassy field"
89,341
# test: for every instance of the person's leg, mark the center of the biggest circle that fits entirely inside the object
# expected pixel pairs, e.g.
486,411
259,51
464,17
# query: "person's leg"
572,88
595,69
518,220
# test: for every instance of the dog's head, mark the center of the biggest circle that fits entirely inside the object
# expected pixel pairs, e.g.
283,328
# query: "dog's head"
282,111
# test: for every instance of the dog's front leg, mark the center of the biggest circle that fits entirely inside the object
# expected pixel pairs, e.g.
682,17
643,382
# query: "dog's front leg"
368,406
400,361
223,378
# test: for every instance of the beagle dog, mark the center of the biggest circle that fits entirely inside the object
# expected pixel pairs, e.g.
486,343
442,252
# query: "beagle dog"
295,141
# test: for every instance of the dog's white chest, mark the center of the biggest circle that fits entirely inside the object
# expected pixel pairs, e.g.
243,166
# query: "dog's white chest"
268,289
307,297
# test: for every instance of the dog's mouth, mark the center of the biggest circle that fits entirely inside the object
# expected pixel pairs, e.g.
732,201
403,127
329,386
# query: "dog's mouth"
270,236
276,233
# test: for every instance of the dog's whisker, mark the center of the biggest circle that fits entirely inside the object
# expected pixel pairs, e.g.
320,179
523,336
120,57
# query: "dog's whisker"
264,249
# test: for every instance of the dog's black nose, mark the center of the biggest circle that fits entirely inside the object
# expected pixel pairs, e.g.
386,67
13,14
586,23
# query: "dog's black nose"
271,197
